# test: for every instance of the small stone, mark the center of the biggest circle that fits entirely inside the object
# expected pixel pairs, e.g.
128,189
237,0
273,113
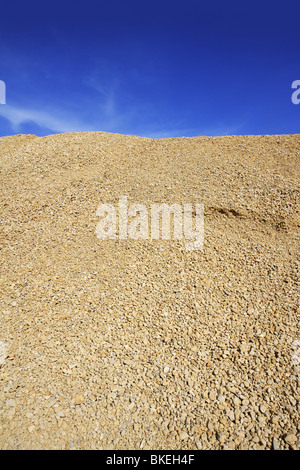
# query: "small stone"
11,402
2,352
229,446
183,436
78,399
290,438
276,444
221,399
236,401
263,408
142,444
293,401
221,437
231,415
199,445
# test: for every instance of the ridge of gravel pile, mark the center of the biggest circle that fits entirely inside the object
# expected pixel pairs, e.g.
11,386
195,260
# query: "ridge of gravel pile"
140,344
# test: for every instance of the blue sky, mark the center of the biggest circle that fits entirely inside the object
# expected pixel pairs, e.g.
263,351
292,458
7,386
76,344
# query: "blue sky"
154,69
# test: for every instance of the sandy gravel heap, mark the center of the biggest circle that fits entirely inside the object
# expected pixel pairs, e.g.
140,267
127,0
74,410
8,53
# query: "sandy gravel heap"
140,344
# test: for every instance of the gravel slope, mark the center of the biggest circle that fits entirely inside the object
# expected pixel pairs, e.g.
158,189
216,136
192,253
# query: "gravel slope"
140,344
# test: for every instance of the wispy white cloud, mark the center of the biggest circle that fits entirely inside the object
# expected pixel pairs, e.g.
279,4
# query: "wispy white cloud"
107,94
107,105
109,120
18,116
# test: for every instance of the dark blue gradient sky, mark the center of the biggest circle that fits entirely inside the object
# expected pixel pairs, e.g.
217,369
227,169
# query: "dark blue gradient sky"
155,69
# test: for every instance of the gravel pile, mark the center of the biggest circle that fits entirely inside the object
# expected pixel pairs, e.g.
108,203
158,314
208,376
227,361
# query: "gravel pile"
141,344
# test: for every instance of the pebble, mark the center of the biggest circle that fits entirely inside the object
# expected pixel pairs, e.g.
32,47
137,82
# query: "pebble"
276,444
290,438
11,402
263,408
